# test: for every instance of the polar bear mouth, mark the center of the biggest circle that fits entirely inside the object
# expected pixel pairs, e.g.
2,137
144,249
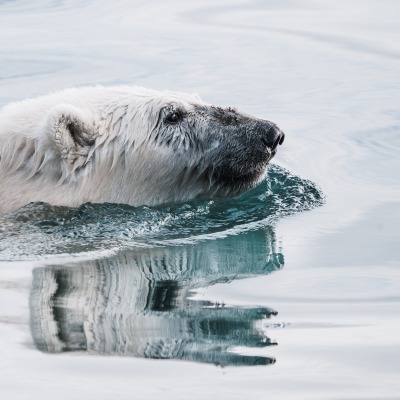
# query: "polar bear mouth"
227,180
233,172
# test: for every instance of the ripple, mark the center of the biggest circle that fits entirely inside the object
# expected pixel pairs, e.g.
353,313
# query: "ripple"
42,230
22,67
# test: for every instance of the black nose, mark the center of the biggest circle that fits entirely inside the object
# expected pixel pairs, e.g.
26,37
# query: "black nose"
272,137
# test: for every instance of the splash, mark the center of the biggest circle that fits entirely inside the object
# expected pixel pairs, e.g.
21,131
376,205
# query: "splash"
40,230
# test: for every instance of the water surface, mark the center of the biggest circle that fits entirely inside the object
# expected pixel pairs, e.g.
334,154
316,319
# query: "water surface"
293,288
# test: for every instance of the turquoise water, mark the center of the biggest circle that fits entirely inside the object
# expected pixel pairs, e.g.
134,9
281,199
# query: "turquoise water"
40,230
290,291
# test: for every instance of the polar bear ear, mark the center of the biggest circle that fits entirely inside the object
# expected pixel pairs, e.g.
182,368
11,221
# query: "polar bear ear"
73,134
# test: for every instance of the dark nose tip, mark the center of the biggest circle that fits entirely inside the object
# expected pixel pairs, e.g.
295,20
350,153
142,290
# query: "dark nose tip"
273,137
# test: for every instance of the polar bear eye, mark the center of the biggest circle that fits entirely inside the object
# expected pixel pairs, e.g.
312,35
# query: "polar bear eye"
173,118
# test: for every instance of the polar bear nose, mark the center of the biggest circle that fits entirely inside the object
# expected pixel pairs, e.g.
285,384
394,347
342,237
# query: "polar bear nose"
272,136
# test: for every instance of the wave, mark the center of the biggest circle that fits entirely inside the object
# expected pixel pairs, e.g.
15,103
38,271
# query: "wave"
40,230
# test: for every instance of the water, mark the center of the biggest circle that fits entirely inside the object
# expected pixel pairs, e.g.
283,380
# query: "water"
293,288
40,230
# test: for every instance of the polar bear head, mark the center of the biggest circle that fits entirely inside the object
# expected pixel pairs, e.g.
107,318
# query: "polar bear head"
128,145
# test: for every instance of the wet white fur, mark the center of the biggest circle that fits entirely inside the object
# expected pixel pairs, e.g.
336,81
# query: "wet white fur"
39,161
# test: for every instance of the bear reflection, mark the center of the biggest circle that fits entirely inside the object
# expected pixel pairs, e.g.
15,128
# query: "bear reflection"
138,302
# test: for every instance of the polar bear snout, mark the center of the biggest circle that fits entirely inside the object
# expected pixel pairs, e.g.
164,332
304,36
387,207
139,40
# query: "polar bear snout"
271,136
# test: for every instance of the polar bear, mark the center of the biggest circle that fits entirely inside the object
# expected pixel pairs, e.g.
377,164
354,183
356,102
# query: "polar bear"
128,145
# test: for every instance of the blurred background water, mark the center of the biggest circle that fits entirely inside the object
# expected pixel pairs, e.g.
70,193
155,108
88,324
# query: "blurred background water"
293,304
